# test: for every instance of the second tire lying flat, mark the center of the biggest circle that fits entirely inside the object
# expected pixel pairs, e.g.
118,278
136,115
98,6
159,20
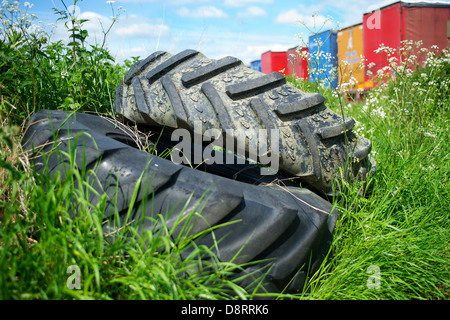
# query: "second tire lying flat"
289,228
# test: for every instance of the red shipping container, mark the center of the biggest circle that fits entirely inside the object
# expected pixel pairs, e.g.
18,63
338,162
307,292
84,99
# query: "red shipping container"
390,25
296,63
274,62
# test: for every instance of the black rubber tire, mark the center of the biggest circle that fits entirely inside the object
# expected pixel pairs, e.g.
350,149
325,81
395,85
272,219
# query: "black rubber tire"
174,91
293,226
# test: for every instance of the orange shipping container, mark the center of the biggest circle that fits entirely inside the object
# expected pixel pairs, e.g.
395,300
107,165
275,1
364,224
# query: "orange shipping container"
350,51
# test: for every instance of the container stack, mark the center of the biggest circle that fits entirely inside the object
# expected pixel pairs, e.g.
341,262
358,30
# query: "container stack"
341,58
404,21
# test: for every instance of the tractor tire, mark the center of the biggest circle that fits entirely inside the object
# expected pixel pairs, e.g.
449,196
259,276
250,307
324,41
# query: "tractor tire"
285,231
182,90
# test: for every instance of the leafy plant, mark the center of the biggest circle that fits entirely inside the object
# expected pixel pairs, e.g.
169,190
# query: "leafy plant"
79,76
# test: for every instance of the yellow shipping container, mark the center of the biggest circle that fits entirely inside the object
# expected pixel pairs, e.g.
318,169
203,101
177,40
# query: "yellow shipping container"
350,51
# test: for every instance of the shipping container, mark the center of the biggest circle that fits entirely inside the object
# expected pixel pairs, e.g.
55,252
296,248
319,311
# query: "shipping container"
323,58
274,62
256,65
350,52
404,21
298,63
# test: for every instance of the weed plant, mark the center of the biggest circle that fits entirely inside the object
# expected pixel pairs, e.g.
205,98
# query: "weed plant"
68,75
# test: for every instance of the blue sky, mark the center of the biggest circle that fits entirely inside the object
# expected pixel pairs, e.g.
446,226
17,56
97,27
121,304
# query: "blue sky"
218,28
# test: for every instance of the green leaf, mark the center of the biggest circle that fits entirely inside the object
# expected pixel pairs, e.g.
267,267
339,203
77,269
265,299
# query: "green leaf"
73,44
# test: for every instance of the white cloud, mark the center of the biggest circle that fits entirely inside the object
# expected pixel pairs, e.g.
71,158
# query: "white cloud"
289,17
202,12
243,3
252,12
143,29
96,22
295,17
125,52
96,25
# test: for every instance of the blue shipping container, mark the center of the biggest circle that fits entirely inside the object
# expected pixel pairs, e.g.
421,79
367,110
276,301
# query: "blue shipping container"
256,65
323,60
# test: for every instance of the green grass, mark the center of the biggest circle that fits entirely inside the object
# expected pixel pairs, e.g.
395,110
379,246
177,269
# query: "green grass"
400,228
41,240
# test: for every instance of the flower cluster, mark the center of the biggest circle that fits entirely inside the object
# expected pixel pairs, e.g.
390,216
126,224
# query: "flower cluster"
413,84
18,25
375,103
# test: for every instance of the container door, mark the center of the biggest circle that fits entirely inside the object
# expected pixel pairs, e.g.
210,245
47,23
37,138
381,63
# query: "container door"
382,27
427,24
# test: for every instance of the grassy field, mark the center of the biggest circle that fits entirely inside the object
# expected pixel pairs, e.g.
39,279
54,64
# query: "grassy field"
401,228
390,243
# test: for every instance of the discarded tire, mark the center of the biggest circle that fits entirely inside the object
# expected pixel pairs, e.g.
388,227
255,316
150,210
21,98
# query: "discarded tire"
178,91
291,227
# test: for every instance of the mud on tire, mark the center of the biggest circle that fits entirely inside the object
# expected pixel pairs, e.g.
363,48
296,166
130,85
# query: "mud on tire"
175,91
